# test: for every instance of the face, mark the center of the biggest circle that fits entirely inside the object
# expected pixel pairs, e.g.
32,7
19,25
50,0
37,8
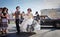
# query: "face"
5,10
18,9
23,14
28,11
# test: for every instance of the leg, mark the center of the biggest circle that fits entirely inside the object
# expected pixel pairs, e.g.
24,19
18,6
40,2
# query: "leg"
0,31
5,30
17,25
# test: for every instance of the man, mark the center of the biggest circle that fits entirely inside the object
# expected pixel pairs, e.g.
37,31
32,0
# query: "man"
17,13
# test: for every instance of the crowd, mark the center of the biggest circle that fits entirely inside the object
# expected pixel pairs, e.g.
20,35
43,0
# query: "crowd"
27,21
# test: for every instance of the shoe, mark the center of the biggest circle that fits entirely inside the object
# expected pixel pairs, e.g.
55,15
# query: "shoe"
18,32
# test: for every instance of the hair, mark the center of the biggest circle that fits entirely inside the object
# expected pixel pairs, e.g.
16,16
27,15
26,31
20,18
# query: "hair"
23,12
36,12
4,10
17,7
1,8
29,9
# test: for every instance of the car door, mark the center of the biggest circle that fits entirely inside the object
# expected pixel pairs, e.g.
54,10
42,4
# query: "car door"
45,21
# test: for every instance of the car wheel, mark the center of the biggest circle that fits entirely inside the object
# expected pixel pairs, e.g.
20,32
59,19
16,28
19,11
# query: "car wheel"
57,25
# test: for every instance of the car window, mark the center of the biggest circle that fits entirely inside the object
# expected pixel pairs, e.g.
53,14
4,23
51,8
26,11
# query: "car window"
44,17
47,18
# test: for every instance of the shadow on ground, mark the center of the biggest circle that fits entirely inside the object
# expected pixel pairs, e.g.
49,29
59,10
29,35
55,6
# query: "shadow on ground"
22,34
51,29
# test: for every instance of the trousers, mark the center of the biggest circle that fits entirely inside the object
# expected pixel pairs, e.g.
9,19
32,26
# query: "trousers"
17,25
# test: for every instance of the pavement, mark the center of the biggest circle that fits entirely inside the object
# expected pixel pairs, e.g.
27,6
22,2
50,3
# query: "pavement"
44,32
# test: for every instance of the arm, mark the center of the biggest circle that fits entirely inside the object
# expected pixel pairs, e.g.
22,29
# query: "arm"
3,15
13,14
7,15
32,15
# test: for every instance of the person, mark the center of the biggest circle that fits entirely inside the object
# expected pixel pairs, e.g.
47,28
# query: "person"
37,21
27,21
30,20
23,14
36,13
4,18
17,13
22,17
37,16
0,21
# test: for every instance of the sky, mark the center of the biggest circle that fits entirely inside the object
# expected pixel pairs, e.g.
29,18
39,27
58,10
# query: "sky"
35,5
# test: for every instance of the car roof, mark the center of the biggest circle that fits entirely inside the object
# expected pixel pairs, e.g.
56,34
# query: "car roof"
43,16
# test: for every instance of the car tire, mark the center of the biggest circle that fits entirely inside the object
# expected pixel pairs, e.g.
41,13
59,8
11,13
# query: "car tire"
57,25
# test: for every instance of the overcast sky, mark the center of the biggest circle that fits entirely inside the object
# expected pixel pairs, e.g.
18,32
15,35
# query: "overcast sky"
35,5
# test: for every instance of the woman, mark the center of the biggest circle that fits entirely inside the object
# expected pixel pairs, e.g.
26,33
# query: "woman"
37,21
37,17
4,20
27,21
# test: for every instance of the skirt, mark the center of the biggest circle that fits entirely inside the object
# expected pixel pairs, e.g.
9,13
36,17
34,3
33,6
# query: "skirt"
25,23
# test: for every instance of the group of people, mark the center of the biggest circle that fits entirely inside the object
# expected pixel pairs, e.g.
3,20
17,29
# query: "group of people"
27,21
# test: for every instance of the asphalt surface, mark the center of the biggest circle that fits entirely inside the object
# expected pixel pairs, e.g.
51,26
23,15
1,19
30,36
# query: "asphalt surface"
44,32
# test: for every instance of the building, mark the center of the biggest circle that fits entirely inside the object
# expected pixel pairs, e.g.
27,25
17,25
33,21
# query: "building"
52,13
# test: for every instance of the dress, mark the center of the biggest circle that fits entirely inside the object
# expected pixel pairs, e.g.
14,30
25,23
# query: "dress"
4,21
36,25
27,21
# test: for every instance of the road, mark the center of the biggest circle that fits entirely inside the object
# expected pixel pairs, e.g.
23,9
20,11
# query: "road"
44,32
